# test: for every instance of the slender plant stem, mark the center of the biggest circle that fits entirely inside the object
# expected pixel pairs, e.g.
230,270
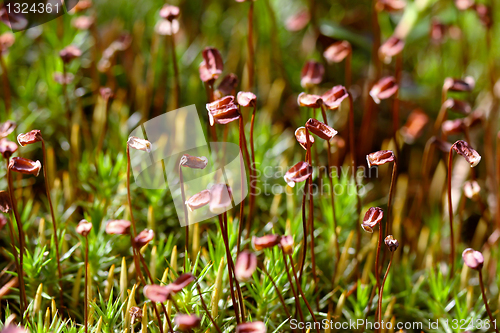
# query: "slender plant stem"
160,325
301,291
54,223
388,222
253,173
381,291
242,180
332,197
231,262
177,87
348,71
295,296
6,86
228,255
23,300
186,216
352,148
102,135
204,305
450,213
311,213
304,231
278,293
485,300
129,198
86,312
250,47
377,256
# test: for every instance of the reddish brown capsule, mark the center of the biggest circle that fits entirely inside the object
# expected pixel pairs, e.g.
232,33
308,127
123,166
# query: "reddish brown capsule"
143,238
456,105
389,5
5,205
470,155
169,12
227,86
473,259
156,293
3,221
472,190
437,31
246,99
23,165
298,173
14,329
312,74
193,162
223,111
106,93
334,97
6,41
135,314
7,148
415,125
380,157
252,327
465,85
372,217
84,228
186,322
118,227
181,282
484,14
220,200
464,4
211,66
69,53
298,21
320,129
265,242
245,266
29,138
392,47
300,135
391,243
199,200
6,128
83,22
450,127
286,243
338,51
139,144
309,100
385,88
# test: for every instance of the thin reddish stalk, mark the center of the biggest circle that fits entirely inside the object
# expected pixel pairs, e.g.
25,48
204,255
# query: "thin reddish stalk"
379,310
23,299
250,47
177,86
6,86
242,179
450,212
160,325
295,296
86,312
304,231
311,213
377,256
204,305
54,223
485,300
391,195
301,291
278,293
332,196
229,260
186,216
253,176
